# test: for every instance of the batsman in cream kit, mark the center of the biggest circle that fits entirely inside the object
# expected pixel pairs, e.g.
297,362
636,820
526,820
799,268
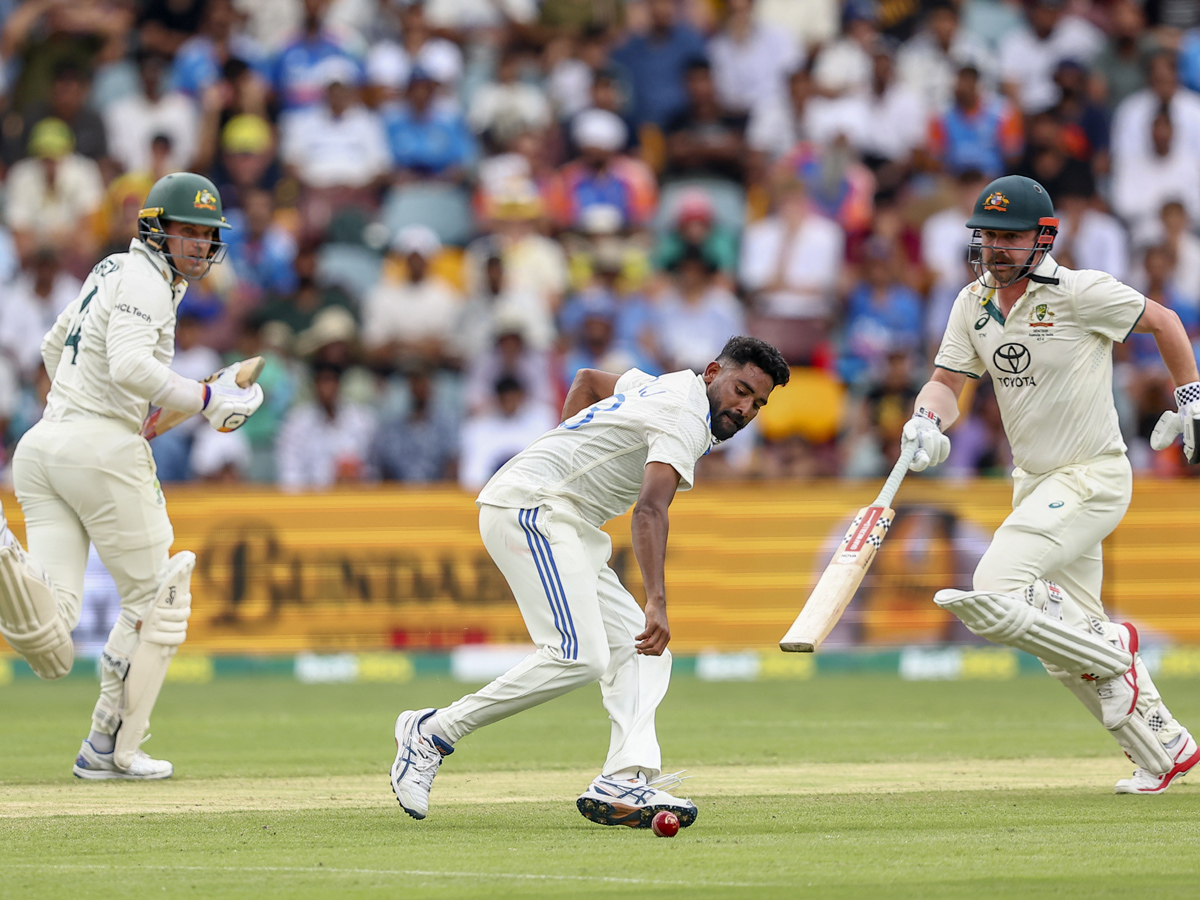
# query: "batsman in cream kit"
84,473
628,440
1045,334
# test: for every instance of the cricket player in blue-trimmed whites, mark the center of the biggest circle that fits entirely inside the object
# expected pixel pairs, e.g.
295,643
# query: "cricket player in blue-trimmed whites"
1045,334
84,474
623,440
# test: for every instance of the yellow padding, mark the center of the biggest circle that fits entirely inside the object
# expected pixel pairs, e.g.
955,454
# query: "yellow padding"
810,405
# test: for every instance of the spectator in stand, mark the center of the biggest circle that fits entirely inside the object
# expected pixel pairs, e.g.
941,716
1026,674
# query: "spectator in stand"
594,342
1181,241
696,315
1088,237
777,126
427,139
704,140
1131,125
751,61
132,122
929,62
420,446
882,315
193,359
1047,159
67,102
298,308
944,239
248,160
490,302
843,66
839,185
809,22
603,182
655,64
572,66
164,25
511,356
412,317
390,62
696,226
510,105
492,439
326,441
220,458
1144,181
200,60
791,261
1029,58
876,413
979,131
299,75
1119,69
1160,285
31,306
1085,122
261,252
54,197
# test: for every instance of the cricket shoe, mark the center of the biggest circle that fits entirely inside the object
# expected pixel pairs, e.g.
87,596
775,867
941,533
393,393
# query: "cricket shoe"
633,803
96,766
1119,696
1143,782
417,760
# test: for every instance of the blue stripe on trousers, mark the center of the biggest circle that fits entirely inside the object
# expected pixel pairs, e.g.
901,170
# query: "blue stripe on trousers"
523,516
562,594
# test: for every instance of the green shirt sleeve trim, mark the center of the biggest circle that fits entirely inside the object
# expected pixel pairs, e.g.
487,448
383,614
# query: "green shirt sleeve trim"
957,371
1135,322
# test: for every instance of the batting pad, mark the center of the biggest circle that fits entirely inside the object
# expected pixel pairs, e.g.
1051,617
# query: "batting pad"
29,616
1008,619
1144,746
163,629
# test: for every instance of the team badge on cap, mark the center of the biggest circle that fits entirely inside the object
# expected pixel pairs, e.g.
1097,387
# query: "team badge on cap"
205,200
996,202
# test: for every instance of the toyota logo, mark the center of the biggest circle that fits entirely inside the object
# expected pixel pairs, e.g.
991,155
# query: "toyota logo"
1011,359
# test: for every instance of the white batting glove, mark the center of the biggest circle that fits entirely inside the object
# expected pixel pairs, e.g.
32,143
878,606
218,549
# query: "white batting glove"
227,406
1172,424
925,430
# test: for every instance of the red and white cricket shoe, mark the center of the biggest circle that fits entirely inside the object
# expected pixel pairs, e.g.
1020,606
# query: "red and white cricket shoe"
1185,755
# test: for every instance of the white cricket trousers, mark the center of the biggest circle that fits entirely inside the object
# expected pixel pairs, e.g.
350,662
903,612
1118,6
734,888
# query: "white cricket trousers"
95,480
584,624
1055,530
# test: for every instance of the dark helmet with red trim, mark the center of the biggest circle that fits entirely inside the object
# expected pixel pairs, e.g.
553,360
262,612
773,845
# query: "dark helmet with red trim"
189,198
1011,203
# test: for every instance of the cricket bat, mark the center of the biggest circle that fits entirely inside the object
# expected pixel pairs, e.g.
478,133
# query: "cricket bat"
843,575
243,374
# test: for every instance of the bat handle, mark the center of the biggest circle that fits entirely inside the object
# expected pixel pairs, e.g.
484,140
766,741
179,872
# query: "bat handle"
888,493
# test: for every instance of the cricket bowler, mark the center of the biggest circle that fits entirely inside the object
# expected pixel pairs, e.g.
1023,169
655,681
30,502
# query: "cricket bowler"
1045,334
85,474
624,440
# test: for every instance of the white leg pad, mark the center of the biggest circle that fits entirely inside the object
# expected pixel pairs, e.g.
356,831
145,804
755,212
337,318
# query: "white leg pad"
29,616
1010,619
1144,746
163,629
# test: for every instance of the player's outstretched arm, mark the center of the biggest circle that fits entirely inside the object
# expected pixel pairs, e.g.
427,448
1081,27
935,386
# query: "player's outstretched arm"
1176,351
649,528
590,386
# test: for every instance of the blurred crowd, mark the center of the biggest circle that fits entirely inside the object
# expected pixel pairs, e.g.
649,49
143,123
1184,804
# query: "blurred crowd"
444,209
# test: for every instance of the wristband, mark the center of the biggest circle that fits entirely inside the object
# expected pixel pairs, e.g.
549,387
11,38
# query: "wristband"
1187,393
923,413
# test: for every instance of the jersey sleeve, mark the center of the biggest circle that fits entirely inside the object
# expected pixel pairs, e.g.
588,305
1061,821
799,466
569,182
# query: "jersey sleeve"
143,308
1106,306
678,442
956,352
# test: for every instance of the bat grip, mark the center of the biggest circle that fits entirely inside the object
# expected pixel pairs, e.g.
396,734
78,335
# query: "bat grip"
888,492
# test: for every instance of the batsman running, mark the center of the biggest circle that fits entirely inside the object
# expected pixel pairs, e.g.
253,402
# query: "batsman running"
84,473
1045,334
623,440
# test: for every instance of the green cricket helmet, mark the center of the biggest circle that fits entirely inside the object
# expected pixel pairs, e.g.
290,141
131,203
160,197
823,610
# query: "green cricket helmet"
191,199
1012,203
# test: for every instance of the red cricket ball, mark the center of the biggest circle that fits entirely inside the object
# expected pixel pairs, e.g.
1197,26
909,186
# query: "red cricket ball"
665,823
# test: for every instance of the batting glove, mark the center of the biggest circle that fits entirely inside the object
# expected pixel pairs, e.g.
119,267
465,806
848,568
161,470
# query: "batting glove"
1172,424
227,406
925,430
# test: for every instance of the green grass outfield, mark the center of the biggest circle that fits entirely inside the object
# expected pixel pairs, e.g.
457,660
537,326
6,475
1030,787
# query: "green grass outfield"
837,787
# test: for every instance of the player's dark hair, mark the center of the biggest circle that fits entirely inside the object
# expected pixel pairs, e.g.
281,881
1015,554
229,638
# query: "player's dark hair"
744,350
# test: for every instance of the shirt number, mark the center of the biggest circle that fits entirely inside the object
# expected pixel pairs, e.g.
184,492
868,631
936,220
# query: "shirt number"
590,414
72,340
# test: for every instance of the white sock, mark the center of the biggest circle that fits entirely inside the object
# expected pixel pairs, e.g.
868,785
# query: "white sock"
631,774
431,727
104,743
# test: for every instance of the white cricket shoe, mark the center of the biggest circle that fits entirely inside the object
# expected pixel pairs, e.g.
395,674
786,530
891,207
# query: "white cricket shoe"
1142,782
417,760
1119,696
96,766
634,803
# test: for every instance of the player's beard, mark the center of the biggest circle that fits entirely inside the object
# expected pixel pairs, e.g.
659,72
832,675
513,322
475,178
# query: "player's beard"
725,423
